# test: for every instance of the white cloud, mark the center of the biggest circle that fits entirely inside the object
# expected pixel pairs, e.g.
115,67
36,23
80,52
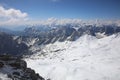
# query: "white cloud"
54,21
75,22
54,0
10,16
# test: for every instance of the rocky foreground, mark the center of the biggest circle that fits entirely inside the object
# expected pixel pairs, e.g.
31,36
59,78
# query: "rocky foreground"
16,69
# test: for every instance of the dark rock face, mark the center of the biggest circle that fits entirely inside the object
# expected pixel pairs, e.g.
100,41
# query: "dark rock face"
17,69
10,46
1,64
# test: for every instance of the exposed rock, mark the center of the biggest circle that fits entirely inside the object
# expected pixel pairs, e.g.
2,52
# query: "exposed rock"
1,64
16,69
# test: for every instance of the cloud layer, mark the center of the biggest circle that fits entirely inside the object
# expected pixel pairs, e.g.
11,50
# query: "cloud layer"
11,15
74,22
13,18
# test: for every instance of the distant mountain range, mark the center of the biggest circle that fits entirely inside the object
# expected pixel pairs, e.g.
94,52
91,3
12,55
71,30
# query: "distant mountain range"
16,42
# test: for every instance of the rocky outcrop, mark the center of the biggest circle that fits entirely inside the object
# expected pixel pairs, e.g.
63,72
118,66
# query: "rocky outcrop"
16,69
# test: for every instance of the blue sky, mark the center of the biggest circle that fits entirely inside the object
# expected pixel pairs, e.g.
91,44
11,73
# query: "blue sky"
85,9
20,12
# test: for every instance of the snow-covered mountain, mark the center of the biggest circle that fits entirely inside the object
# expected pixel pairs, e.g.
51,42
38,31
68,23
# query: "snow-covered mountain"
46,35
72,52
87,58
87,52
38,37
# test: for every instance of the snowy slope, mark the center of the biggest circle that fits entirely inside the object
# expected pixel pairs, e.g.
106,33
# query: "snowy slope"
88,58
4,77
